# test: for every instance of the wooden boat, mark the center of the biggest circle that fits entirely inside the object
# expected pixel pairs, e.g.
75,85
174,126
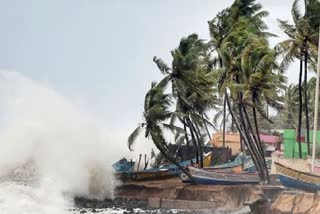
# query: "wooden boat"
233,169
201,176
230,169
241,158
296,179
206,163
250,167
147,175
123,165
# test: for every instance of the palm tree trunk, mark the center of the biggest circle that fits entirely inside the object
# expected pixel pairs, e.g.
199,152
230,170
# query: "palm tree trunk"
191,132
220,62
224,121
187,140
232,125
196,125
139,162
168,156
200,152
146,162
300,109
241,122
193,141
306,98
240,110
252,141
242,134
259,142
205,124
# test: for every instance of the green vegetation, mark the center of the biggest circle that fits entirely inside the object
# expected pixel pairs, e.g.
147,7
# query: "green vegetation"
236,73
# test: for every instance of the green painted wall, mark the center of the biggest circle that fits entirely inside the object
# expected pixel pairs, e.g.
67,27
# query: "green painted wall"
291,148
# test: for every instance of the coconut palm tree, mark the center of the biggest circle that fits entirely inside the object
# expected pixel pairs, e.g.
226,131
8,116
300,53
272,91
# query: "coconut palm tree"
224,24
247,34
156,112
260,85
192,86
301,45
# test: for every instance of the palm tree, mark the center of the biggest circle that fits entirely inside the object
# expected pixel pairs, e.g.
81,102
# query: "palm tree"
192,86
290,106
156,105
300,45
222,26
246,32
260,84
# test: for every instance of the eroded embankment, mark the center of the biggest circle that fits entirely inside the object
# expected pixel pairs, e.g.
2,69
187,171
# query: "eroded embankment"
307,203
227,197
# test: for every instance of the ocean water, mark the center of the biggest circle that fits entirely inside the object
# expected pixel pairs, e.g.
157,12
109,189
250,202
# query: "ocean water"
50,150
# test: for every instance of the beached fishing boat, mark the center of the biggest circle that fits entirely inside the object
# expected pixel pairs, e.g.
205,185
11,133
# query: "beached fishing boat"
206,163
233,169
148,175
296,179
230,169
123,165
201,176
241,158
250,167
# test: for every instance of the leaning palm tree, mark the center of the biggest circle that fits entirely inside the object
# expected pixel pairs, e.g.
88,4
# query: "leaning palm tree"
260,85
244,40
223,26
192,87
156,112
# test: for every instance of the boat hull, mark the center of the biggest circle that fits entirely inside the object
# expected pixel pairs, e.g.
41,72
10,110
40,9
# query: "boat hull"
250,167
297,179
213,181
232,169
201,176
147,175
123,165
294,183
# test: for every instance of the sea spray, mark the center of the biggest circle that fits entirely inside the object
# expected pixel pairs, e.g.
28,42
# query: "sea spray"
50,150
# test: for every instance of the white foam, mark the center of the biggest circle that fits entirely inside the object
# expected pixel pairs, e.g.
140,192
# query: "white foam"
48,139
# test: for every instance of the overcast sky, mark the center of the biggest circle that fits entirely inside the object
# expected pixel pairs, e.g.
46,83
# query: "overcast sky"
98,53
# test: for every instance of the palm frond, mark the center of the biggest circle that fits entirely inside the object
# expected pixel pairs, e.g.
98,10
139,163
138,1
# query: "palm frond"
295,11
163,67
132,138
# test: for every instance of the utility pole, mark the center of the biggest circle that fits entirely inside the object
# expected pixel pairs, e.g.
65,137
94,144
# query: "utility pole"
315,126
